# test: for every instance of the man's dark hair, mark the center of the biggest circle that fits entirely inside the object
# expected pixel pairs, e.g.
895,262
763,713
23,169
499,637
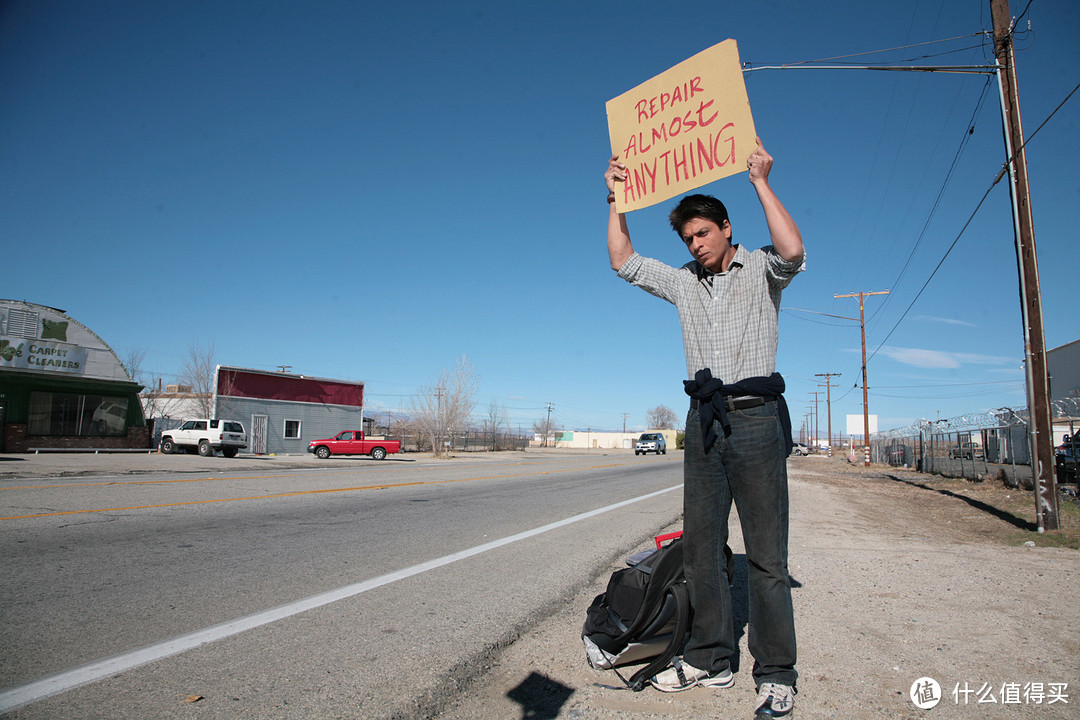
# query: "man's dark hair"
697,206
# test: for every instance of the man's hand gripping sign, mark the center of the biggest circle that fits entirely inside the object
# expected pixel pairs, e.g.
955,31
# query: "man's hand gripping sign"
682,129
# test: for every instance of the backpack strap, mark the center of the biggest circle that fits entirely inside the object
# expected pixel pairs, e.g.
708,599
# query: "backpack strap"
639,679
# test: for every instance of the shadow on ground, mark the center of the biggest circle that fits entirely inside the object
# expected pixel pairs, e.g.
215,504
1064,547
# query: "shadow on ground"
540,697
1000,514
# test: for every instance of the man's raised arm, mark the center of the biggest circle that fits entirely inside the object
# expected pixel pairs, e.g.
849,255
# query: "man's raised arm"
618,235
786,238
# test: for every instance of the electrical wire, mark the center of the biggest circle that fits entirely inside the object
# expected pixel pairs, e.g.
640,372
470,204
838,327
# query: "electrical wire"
1021,15
874,52
941,192
968,222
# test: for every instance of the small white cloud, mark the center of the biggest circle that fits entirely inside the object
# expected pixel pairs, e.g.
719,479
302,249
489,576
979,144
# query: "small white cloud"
945,320
920,357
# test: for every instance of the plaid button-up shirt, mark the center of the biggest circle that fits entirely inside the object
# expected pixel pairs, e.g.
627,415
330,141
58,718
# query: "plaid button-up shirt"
729,319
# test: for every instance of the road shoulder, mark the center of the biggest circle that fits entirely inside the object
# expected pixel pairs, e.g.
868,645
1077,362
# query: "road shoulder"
893,581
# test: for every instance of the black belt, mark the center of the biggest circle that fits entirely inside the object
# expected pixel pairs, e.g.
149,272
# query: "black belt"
733,403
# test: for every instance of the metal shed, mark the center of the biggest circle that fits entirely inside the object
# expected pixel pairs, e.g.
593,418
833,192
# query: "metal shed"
283,412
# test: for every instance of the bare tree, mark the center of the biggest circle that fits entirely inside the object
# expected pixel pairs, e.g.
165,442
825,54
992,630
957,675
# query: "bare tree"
545,428
197,372
444,407
401,427
496,419
157,404
132,362
662,417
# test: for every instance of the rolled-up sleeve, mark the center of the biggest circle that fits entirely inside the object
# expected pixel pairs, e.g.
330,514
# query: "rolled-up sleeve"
652,276
781,271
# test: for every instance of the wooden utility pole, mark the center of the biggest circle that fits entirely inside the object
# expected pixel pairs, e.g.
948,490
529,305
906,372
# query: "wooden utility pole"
817,425
865,394
1038,384
828,402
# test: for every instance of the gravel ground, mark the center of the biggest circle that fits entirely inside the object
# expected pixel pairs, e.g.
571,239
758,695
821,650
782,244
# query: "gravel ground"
897,576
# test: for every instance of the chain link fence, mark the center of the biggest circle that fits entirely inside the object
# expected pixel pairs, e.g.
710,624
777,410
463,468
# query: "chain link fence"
995,444
465,441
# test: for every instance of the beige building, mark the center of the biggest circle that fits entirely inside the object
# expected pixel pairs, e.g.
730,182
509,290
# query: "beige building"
589,440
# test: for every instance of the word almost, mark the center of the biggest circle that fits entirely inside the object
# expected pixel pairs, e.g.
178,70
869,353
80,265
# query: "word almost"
644,141
680,163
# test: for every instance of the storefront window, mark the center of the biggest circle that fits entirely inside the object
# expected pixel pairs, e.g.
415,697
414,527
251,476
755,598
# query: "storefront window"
77,415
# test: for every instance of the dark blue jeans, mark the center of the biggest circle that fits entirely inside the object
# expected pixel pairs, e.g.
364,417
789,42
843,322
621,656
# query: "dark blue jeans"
750,468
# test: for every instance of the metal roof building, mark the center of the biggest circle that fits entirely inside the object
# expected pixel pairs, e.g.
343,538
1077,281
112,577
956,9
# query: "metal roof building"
62,386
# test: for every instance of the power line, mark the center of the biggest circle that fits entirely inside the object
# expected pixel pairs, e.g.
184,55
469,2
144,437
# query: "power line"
969,132
899,47
993,184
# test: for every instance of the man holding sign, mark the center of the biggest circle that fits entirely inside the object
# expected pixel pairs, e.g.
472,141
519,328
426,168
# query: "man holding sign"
738,434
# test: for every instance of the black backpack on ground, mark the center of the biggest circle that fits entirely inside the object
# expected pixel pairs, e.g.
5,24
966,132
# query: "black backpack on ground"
645,613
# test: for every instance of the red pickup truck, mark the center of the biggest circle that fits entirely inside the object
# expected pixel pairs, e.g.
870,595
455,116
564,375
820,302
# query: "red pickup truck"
352,442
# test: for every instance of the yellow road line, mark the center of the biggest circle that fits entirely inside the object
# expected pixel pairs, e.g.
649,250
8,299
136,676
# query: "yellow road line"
293,494
166,482
206,479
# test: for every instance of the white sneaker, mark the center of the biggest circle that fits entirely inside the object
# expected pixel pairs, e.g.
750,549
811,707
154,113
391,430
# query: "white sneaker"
682,676
775,701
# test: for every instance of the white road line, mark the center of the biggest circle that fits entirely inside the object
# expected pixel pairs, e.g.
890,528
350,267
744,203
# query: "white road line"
20,695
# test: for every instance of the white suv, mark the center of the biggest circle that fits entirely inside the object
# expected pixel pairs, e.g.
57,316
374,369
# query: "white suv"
206,436
651,442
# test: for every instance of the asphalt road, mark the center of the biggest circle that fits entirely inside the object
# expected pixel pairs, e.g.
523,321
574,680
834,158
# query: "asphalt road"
299,590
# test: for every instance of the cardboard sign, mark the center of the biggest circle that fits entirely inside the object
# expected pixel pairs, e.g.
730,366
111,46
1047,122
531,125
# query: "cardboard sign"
682,129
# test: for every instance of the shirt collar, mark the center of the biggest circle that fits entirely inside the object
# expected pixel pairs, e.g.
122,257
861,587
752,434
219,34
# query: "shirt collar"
739,259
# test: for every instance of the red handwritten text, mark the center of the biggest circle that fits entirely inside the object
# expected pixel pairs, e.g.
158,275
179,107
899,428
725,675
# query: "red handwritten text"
643,142
648,108
682,162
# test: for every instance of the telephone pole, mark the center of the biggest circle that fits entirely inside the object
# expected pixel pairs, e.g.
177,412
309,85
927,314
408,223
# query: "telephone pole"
439,420
1038,386
817,425
828,402
865,400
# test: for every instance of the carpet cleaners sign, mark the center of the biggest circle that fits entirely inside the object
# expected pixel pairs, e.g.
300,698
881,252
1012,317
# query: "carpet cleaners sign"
682,129
22,354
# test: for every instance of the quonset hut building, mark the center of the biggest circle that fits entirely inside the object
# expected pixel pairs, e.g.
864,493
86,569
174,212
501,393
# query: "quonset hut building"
62,386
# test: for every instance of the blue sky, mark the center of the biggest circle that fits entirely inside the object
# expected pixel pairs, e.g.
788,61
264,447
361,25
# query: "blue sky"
369,192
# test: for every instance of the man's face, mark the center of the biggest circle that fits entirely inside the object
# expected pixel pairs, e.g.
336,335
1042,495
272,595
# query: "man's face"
709,243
